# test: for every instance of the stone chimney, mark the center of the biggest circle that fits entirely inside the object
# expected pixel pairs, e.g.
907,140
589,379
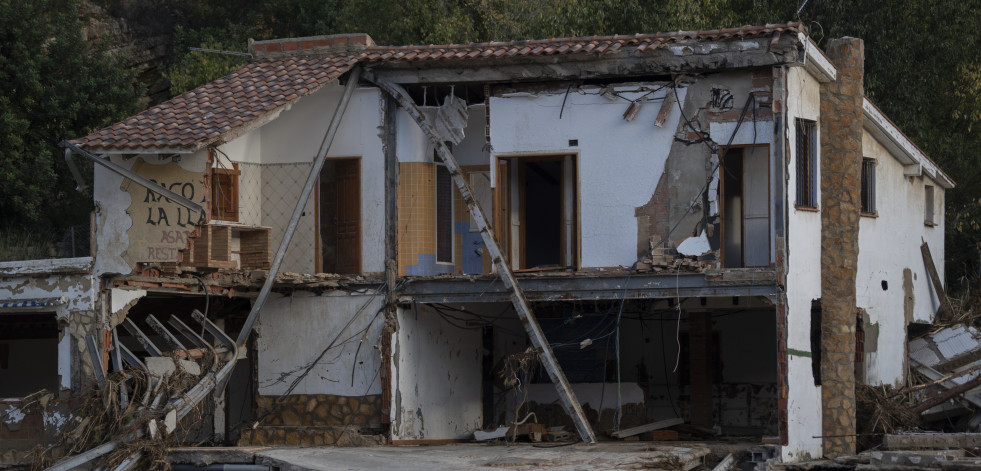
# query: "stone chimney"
311,45
841,165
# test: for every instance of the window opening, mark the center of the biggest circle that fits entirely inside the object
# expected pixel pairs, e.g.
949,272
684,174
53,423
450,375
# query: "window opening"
868,186
28,354
806,163
224,193
538,211
746,207
928,218
444,215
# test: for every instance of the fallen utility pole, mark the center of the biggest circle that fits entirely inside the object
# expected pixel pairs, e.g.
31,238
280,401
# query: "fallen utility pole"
566,396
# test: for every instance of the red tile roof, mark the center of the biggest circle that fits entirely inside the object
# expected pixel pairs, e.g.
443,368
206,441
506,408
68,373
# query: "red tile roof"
219,111
213,112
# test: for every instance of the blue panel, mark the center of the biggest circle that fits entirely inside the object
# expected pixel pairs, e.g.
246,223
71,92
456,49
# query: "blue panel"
472,249
427,266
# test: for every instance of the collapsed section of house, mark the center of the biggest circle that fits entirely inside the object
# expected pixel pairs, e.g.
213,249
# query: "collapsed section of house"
361,244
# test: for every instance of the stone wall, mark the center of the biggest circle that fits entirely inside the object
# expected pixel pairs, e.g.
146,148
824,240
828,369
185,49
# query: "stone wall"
316,420
318,410
841,160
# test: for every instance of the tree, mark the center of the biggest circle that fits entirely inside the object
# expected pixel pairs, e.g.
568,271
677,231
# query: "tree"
51,88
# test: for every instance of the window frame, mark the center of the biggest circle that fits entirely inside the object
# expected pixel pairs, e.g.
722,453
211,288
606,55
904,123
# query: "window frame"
806,166
444,219
868,187
217,177
929,206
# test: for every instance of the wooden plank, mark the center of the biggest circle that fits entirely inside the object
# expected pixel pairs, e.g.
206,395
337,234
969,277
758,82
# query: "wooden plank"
647,428
938,287
669,101
726,464
535,334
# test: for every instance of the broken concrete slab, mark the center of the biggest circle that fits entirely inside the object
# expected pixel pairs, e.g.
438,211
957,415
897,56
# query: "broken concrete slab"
165,366
629,432
914,458
931,441
603,456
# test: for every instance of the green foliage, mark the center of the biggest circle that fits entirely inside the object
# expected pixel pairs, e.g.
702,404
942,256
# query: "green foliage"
195,68
923,68
51,88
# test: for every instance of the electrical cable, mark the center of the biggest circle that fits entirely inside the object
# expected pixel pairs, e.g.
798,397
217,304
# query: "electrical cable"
207,300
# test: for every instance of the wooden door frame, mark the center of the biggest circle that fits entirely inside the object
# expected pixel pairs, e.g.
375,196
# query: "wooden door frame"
503,230
720,199
319,256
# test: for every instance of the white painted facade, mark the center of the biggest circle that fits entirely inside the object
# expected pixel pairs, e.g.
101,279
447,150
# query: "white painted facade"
295,330
436,378
889,246
619,162
803,279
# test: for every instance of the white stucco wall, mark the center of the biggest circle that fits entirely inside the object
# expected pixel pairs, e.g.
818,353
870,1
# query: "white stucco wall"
803,281
436,378
888,245
619,162
295,138
294,330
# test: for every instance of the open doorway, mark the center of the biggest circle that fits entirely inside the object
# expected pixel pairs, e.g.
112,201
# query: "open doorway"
746,207
537,205
339,218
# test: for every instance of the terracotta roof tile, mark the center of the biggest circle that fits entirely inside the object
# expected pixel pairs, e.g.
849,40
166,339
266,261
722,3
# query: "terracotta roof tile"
201,116
213,112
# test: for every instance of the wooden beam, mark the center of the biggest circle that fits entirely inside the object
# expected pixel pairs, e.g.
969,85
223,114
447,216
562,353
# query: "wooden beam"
945,307
629,432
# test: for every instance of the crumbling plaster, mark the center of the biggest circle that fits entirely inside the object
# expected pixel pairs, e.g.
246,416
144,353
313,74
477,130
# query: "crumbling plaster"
524,123
79,316
112,203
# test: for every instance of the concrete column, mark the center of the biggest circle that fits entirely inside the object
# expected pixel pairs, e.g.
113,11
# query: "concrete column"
841,160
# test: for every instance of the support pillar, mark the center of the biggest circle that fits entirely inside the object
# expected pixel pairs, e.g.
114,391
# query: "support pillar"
841,165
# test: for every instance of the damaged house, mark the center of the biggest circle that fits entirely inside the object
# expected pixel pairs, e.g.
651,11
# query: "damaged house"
716,226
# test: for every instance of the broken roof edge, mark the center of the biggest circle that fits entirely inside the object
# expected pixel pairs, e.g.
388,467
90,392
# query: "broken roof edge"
899,145
816,62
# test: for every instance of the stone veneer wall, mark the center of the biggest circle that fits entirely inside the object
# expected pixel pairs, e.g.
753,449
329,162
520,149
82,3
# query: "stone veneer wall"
841,160
319,410
315,420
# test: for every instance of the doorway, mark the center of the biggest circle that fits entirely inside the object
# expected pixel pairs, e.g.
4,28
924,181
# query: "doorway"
746,207
537,206
339,222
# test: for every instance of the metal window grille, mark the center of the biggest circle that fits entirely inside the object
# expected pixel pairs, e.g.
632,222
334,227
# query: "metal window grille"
806,163
444,215
868,186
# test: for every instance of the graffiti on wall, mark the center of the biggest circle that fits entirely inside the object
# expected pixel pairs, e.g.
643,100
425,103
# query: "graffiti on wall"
160,226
